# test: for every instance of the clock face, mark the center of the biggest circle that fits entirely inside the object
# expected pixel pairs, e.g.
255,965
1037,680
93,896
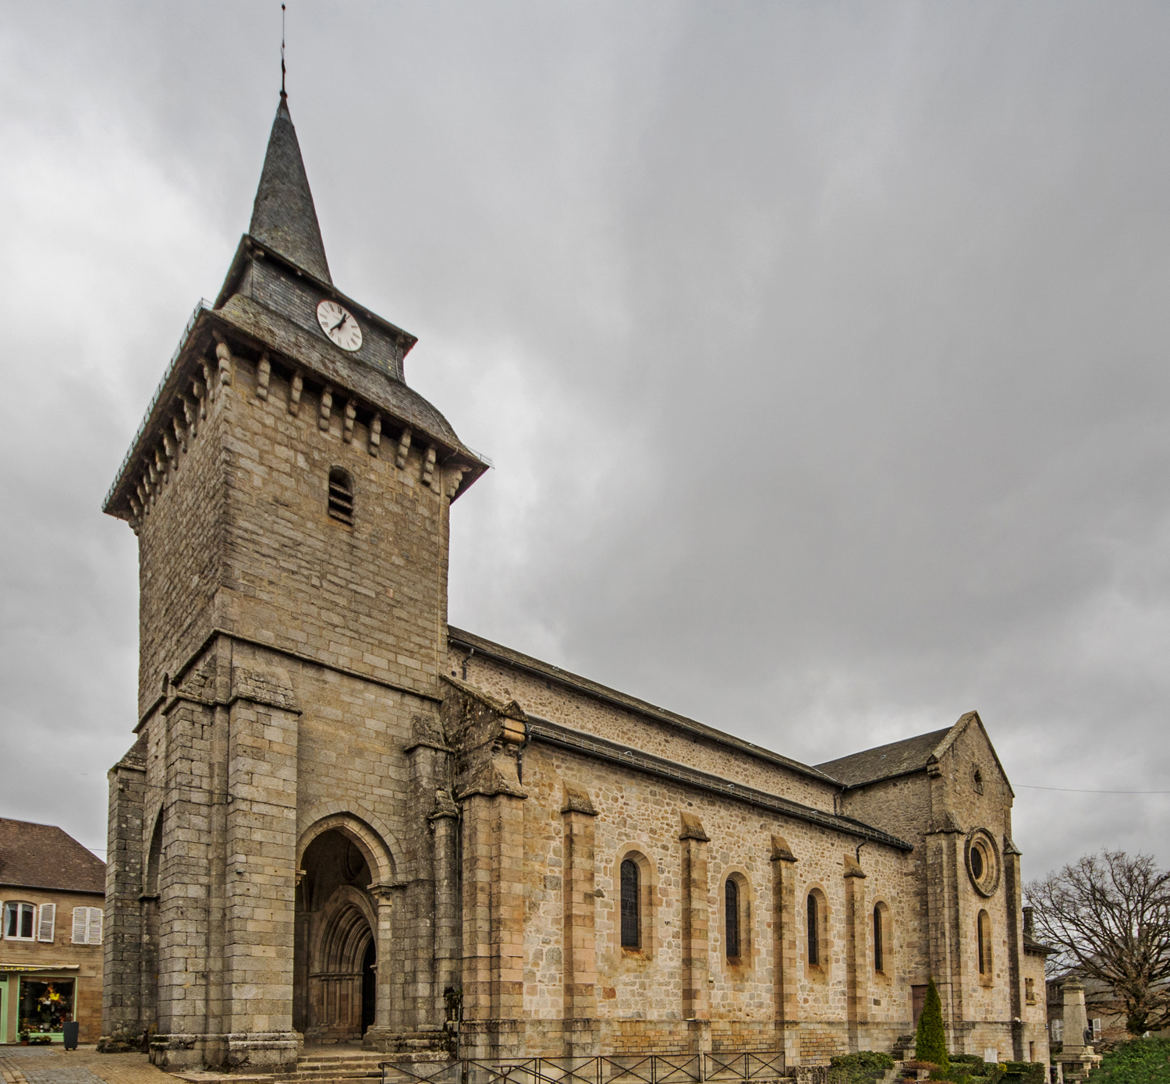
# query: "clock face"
340,325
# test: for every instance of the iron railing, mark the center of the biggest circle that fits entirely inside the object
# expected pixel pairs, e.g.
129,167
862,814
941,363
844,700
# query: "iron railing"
203,305
739,1067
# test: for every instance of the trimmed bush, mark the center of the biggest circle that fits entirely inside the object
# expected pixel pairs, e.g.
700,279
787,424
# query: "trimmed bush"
930,1041
1024,1072
864,1067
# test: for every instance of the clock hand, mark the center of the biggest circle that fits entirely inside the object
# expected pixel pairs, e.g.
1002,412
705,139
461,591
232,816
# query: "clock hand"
340,322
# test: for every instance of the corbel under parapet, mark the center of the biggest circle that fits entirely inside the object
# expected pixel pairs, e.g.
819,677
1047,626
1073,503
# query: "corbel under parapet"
404,448
325,409
191,413
223,361
263,375
295,388
454,477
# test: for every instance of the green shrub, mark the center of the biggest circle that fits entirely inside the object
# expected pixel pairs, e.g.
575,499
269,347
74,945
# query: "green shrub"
1024,1072
1141,1061
864,1067
930,1041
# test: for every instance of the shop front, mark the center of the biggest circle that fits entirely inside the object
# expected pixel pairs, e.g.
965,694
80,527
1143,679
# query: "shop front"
36,1002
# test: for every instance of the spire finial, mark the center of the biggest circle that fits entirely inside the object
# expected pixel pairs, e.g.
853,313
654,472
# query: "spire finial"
283,92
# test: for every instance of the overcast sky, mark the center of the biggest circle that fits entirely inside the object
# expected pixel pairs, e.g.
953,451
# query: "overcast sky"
819,349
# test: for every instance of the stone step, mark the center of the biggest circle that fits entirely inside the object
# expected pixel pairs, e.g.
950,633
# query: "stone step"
323,1076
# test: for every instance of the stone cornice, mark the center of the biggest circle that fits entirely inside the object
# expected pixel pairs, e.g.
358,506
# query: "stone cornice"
542,731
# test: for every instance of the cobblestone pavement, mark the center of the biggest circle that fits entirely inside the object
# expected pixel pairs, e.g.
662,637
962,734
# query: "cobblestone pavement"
55,1065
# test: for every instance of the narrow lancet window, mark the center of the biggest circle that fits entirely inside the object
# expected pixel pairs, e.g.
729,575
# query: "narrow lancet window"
731,918
814,941
630,917
983,945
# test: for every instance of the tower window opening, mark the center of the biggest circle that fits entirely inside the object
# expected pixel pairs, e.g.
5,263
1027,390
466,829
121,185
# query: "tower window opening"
341,496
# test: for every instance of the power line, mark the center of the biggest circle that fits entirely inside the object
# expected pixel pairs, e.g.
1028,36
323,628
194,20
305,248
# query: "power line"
1083,790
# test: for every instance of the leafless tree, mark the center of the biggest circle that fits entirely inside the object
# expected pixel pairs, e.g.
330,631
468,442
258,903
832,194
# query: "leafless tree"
1108,918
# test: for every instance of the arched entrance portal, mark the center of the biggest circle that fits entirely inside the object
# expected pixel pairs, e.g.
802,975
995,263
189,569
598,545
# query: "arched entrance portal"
335,953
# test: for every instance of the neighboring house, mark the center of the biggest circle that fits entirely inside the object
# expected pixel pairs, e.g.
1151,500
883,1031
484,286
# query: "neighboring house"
52,894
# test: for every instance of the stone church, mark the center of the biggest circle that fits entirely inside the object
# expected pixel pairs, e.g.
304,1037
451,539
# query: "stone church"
344,819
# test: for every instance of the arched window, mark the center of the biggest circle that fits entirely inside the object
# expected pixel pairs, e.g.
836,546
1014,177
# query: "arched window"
341,496
883,941
737,924
631,905
814,918
983,945
731,918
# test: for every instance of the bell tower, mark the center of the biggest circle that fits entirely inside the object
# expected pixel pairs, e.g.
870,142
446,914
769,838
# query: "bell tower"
272,831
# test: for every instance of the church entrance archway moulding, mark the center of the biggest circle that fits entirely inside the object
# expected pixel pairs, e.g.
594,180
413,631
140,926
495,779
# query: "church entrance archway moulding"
342,931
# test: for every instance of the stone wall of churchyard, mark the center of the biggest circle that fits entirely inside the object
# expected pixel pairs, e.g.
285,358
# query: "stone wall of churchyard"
557,702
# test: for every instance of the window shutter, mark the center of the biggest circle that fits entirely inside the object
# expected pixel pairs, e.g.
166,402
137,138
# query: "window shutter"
48,917
79,925
95,925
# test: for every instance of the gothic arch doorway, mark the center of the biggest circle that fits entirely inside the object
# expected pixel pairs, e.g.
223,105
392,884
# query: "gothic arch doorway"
335,954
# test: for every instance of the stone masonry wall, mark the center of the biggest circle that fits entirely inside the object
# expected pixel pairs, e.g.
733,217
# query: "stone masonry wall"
371,598
642,1004
181,557
551,700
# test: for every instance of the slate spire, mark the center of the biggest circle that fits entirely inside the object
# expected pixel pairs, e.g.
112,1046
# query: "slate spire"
283,216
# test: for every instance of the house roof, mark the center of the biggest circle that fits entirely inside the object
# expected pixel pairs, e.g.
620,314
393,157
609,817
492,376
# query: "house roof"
885,761
43,856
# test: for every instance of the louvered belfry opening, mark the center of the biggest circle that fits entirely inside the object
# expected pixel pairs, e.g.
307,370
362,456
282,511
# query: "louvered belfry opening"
341,496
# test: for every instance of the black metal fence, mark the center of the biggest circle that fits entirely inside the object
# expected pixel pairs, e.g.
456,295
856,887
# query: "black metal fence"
740,1067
